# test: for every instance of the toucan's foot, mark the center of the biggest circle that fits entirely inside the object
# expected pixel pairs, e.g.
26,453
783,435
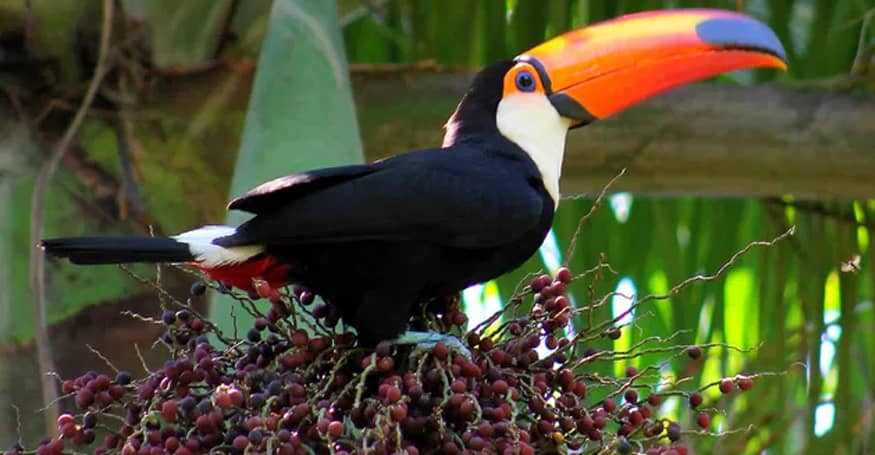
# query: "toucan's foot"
426,341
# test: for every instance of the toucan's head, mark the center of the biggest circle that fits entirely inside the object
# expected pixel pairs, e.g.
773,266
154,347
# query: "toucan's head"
593,72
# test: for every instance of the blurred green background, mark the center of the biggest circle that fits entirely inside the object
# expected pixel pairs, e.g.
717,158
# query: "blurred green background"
204,98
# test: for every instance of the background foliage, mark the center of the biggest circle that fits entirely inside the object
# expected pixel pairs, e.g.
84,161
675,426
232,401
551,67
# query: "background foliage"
178,103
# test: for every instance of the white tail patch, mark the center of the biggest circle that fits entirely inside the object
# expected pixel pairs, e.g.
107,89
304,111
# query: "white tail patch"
210,255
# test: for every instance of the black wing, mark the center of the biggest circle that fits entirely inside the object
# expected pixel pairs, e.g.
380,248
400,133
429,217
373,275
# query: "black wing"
276,192
454,198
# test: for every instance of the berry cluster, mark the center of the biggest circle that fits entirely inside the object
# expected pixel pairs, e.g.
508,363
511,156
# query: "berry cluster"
297,383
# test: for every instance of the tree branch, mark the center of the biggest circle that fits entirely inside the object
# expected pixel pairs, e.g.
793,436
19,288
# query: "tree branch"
37,258
704,139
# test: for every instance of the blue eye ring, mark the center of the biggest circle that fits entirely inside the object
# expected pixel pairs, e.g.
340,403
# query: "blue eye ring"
525,81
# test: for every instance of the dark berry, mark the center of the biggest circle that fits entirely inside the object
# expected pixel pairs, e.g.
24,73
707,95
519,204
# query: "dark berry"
123,378
613,333
169,317
623,446
198,288
256,436
674,432
89,420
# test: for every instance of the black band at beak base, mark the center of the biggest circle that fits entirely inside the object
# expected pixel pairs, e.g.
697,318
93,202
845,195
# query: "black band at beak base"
569,108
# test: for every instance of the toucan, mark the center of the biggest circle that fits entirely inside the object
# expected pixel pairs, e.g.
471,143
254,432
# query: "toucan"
377,239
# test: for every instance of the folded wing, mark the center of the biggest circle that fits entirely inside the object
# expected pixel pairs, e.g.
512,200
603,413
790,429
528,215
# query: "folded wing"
453,199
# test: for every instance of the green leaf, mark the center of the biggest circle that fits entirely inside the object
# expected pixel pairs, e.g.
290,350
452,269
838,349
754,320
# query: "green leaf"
300,113
184,34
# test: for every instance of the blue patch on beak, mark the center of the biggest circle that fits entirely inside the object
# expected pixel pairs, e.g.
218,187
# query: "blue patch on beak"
740,33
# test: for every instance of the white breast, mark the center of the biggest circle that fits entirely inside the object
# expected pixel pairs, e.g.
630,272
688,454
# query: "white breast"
531,122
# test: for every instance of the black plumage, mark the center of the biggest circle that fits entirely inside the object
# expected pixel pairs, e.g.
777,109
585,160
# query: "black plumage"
376,239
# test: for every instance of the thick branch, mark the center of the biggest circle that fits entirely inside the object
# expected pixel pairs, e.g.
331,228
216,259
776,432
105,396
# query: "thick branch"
706,139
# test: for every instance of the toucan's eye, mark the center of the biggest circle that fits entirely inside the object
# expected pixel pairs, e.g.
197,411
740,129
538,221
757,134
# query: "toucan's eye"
525,82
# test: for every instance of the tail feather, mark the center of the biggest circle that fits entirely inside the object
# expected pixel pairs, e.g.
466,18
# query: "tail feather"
117,250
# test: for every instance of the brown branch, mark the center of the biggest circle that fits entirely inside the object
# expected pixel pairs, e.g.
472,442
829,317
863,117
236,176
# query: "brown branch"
37,258
702,139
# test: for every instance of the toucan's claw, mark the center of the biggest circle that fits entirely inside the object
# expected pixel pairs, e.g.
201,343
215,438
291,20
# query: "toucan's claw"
426,341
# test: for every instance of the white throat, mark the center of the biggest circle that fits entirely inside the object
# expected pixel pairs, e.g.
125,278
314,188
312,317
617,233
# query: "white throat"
530,121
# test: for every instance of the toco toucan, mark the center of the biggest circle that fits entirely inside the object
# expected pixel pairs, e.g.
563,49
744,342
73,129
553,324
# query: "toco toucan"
376,239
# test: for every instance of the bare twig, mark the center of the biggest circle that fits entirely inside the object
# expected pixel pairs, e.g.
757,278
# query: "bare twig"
723,268
17,421
861,59
129,198
595,205
142,359
102,357
37,258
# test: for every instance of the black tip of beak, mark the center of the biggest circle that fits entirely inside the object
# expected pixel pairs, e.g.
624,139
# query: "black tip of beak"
741,33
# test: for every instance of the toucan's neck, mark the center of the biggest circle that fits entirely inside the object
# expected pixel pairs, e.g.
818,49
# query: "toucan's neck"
475,114
468,121
527,120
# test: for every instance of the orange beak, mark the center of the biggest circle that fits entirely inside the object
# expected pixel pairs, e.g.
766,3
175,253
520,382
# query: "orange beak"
593,72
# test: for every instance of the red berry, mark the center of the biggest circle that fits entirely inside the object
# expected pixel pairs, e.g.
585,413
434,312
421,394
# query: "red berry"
171,443
500,387
393,394
240,442
726,385
540,282
563,275
237,398
636,418
694,352
580,389
695,400
68,430
223,399
335,429
440,350
168,410
609,404
385,364
703,420
263,289
64,419
744,382
300,338
399,412
84,398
